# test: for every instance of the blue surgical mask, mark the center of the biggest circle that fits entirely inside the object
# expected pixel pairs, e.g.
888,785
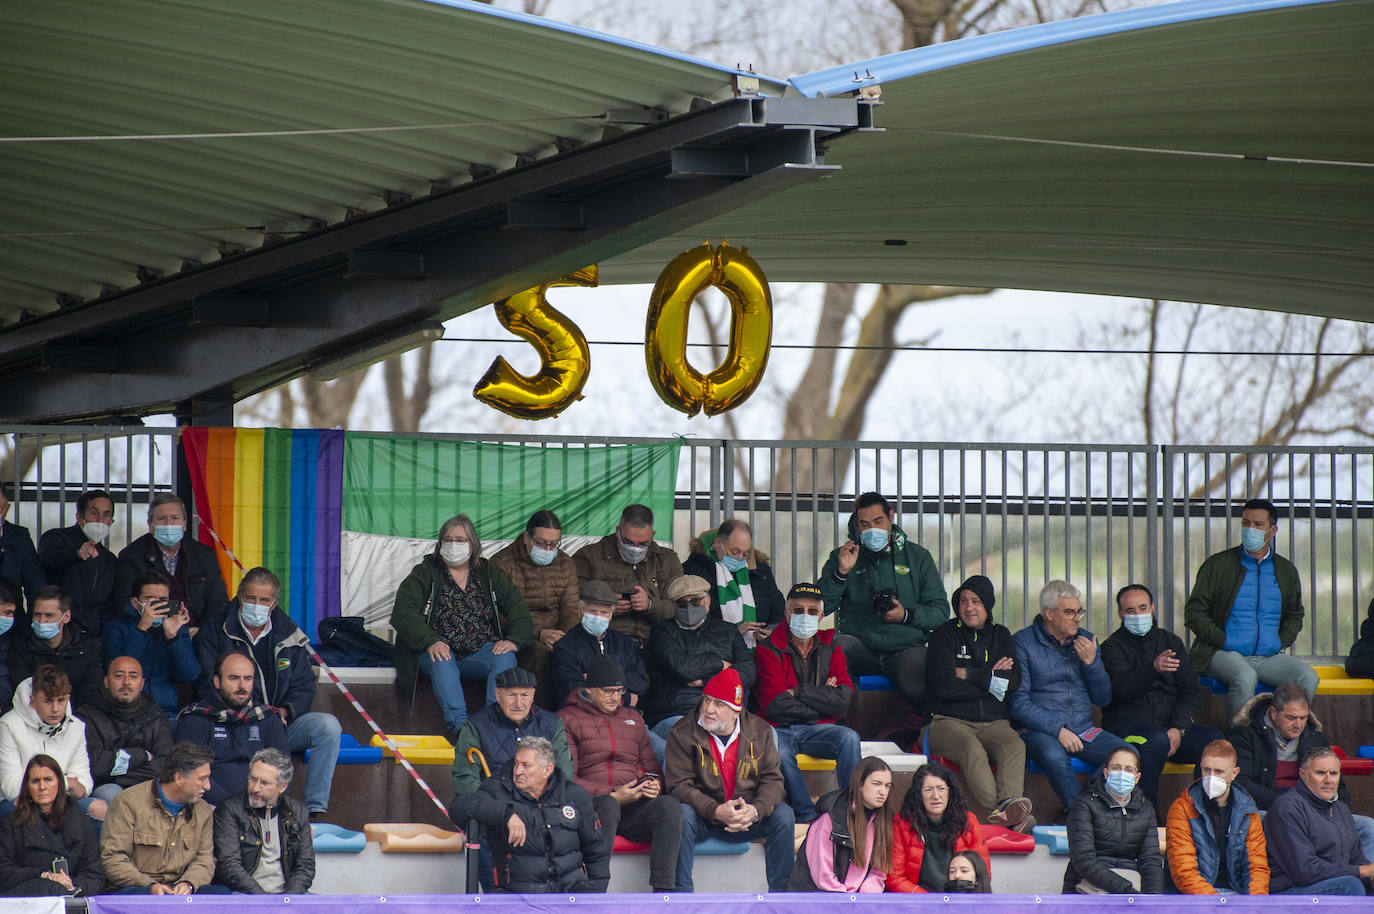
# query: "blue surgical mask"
1252,539
733,563
168,534
1120,783
47,630
874,538
1139,624
543,556
595,625
802,625
255,615
6,623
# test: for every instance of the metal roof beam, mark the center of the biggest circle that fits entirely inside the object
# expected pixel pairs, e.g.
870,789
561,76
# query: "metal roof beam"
454,252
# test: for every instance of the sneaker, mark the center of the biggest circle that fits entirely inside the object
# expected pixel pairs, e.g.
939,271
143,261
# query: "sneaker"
1012,813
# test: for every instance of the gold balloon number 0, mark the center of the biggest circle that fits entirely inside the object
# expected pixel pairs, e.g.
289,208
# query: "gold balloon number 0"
691,273
562,350
566,362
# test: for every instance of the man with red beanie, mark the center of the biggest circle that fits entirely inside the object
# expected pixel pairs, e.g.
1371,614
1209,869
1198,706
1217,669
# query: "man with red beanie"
722,764
803,688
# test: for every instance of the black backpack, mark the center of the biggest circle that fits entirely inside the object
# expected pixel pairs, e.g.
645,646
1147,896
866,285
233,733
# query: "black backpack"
345,642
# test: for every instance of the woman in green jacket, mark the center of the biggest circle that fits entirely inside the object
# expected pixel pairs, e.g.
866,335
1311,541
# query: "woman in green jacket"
456,615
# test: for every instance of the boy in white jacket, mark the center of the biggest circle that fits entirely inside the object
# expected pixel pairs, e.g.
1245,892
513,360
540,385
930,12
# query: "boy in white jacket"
42,721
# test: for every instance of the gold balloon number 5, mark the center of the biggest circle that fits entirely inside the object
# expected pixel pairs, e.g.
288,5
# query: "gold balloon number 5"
566,363
562,350
691,273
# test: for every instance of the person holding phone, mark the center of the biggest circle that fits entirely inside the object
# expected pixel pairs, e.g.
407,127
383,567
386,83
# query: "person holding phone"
637,569
155,631
1062,677
48,846
614,760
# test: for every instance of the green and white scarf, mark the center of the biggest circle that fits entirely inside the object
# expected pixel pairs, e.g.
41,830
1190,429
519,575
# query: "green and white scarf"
735,593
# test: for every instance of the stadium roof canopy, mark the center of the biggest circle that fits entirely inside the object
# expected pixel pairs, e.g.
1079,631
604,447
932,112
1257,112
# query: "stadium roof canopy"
202,201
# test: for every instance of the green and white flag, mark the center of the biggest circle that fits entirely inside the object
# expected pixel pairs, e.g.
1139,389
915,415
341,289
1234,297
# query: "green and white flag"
397,493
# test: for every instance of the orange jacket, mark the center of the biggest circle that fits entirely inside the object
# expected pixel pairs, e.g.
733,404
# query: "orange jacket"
908,850
1191,865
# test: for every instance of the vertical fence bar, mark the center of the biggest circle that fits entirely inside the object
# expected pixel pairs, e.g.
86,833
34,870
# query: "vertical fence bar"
940,518
963,508
1335,584
1355,541
1111,512
983,510
713,494
1068,516
1045,512
1003,561
1088,522
815,521
1163,583
1312,530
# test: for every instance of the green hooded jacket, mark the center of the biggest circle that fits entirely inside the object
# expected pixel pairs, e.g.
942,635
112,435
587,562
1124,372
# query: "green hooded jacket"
419,591
905,567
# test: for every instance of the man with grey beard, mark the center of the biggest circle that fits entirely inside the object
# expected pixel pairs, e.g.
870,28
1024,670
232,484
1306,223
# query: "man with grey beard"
263,843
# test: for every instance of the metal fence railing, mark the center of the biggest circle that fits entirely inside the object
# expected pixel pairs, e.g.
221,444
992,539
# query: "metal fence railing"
1100,516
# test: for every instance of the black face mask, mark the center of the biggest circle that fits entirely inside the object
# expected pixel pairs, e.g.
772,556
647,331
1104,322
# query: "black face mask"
960,885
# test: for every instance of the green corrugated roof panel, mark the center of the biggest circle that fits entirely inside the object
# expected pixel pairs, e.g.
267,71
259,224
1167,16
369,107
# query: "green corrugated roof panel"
961,207
75,215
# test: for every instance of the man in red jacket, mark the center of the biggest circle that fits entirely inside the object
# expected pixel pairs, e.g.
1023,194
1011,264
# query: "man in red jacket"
614,761
803,688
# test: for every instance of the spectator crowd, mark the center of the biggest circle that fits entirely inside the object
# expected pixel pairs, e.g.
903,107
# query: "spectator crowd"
150,720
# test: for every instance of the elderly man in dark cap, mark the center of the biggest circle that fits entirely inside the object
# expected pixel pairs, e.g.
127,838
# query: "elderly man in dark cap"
592,638
494,731
970,670
615,761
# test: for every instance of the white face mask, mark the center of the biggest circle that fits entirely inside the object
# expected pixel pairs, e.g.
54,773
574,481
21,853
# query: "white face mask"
1214,786
455,553
95,531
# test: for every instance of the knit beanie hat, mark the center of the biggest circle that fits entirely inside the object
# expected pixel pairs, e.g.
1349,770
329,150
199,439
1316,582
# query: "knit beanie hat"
726,686
981,587
604,673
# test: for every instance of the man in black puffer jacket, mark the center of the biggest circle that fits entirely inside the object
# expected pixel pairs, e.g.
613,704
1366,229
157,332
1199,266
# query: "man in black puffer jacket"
127,733
686,651
1155,692
543,832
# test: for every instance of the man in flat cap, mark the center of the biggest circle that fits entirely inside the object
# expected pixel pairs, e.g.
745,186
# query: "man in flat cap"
592,638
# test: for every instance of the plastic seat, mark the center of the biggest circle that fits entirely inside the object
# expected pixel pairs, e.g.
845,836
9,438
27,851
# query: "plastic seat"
335,839
1335,682
1220,688
1054,837
1079,766
811,763
624,845
1177,768
1358,766
1002,840
419,750
715,847
876,684
1366,752
414,838
351,753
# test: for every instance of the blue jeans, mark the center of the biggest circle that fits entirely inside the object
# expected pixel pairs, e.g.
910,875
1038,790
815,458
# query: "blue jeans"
318,732
447,678
1242,673
1155,750
822,741
1336,885
658,736
776,828
1050,755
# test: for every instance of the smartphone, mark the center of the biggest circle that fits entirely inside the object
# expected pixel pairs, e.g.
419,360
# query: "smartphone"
59,865
627,595
646,777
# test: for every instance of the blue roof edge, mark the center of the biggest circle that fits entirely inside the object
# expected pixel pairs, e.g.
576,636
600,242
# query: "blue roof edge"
841,79
768,83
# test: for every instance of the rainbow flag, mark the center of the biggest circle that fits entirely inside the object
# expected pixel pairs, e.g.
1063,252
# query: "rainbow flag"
275,497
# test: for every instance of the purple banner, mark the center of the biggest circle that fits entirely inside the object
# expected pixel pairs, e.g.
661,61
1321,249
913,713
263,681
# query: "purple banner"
814,903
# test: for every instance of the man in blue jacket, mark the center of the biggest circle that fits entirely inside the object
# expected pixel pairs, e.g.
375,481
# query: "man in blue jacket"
1313,847
1246,610
1062,677
285,681
156,633
233,723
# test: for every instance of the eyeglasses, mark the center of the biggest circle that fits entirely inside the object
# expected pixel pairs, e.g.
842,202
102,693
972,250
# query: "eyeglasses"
617,691
1120,768
544,544
1072,613
683,604
935,790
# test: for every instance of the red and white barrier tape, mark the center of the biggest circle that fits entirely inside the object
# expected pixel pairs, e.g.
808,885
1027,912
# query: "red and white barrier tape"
362,712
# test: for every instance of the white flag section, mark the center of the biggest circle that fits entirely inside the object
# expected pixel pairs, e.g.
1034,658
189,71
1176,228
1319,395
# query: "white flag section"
52,905
372,567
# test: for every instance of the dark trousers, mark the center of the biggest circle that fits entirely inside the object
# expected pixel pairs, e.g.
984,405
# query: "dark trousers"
1154,752
657,821
906,667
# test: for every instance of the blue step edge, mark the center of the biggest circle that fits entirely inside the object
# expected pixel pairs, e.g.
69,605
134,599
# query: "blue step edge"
350,753
876,684
335,839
